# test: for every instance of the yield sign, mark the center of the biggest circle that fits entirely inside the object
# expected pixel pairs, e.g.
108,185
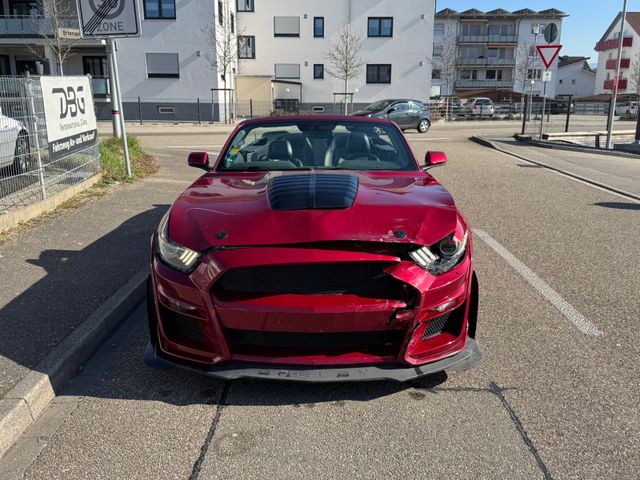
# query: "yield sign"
548,53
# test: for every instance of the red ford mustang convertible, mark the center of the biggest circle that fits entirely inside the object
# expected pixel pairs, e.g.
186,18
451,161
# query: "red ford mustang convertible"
315,249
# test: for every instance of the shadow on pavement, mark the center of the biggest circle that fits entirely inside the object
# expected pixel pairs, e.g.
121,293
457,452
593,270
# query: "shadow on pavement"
75,284
619,205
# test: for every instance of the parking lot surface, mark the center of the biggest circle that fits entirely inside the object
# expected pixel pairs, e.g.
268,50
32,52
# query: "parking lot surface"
554,397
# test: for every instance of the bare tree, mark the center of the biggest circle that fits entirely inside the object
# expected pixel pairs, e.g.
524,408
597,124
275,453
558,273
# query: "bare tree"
222,53
634,73
444,59
50,18
344,58
527,62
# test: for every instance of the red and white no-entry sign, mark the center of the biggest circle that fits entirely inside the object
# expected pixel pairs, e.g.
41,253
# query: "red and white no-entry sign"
548,53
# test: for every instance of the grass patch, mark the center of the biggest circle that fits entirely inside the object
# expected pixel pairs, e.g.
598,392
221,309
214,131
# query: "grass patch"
112,156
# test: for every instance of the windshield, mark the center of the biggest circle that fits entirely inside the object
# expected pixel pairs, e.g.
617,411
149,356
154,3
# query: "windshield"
316,145
377,106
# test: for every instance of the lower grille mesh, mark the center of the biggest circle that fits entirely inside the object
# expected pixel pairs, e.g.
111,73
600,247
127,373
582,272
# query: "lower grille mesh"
435,326
366,279
176,325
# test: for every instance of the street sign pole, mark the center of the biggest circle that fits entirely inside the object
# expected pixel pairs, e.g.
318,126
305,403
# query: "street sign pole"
544,104
115,107
616,80
118,101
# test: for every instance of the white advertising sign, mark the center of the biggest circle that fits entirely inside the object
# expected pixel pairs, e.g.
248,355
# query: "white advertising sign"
69,115
109,18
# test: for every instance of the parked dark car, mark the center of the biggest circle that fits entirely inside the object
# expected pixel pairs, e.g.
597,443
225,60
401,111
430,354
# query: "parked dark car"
404,113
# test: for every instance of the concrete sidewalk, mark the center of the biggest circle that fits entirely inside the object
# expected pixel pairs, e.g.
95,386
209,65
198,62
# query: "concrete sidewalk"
57,274
168,128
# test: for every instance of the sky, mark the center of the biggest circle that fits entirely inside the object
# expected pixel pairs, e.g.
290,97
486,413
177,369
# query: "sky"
587,20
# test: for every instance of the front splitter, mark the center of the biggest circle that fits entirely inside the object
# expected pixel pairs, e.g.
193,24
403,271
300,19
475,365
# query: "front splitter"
461,361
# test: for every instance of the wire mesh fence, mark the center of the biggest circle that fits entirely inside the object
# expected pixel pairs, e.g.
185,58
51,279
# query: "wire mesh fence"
27,174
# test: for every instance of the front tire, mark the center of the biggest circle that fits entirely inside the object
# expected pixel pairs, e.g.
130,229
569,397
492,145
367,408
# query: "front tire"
22,154
424,125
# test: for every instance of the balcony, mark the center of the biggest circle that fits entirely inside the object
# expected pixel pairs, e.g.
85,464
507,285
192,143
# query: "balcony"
480,84
485,61
613,44
609,84
488,39
624,63
18,27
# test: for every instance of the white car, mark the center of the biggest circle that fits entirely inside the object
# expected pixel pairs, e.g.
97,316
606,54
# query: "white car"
627,109
479,106
14,145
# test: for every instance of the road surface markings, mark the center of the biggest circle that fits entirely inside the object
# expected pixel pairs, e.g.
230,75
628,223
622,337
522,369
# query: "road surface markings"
543,288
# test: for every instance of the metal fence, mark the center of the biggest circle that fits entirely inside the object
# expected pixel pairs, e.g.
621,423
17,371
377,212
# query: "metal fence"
27,175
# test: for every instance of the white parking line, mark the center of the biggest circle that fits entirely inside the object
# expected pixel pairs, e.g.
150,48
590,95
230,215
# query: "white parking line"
543,288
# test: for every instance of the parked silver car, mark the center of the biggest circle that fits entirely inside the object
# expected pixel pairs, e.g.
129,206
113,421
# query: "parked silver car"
481,106
14,145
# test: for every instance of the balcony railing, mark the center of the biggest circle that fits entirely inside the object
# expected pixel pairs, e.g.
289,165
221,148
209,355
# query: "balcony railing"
609,84
34,26
613,43
624,63
485,61
484,84
488,39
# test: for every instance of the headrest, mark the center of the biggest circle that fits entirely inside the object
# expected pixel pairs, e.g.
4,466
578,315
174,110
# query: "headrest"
280,149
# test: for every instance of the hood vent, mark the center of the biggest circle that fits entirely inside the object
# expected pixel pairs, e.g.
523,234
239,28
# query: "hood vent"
313,191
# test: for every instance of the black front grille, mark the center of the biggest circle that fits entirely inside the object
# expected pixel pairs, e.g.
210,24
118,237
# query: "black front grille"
450,322
381,342
365,279
323,191
435,326
177,326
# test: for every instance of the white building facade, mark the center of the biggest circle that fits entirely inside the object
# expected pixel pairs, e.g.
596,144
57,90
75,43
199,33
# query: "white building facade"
477,51
284,46
575,77
166,73
607,48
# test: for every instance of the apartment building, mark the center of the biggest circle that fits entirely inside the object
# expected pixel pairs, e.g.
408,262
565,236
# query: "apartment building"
575,77
283,47
476,51
607,48
166,73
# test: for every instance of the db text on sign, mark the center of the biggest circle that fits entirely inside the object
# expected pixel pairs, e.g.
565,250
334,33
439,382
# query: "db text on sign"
69,115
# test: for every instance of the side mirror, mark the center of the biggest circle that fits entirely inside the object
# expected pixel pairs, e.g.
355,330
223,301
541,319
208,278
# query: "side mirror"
199,160
434,159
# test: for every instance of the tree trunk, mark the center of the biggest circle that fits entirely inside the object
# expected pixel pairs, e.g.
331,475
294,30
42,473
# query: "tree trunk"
346,86
225,98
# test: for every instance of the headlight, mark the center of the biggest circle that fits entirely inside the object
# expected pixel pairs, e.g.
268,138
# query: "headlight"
174,255
444,255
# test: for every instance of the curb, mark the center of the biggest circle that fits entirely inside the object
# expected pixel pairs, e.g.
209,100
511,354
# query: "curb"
24,403
488,143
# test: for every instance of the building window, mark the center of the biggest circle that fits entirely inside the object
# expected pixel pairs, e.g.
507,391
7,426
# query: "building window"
318,71
246,46
287,70
534,74
573,81
380,27
220,13
472,29
318,27
232,23
438,49
160,9
436,74
163,65
380,73
286,26
561,81
244,5
438,29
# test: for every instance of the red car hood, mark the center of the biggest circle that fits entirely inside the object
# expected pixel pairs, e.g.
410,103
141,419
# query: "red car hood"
233,209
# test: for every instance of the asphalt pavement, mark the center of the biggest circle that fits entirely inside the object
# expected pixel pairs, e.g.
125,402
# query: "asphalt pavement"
555,396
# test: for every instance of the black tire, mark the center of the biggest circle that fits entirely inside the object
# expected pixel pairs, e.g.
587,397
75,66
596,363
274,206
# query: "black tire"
424,125
22,154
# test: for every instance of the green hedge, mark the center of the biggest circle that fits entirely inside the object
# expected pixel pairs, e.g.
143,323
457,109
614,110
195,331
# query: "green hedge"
112,157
